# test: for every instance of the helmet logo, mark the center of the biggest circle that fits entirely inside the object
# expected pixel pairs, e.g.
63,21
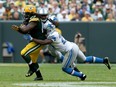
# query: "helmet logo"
31,8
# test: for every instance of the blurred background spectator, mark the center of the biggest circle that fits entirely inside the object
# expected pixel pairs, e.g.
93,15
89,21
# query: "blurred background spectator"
16,14
95,14
110,18
64,10
63,16
7,14
100,17
2,9
21,3
80,41
87,17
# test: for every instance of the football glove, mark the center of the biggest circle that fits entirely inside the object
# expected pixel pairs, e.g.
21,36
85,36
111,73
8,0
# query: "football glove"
27,37
15,27
55,22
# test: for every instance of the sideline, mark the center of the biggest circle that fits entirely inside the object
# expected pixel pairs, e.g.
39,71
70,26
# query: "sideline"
68,84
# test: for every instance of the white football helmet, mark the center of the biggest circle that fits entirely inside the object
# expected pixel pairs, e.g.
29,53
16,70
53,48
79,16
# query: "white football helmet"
43,14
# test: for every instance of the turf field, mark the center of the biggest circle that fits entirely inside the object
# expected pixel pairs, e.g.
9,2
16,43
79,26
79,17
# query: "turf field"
13,75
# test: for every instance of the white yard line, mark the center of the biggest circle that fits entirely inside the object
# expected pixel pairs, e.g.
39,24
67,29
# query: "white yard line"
67,84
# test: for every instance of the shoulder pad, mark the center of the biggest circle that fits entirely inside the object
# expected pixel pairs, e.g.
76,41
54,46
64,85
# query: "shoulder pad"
34,19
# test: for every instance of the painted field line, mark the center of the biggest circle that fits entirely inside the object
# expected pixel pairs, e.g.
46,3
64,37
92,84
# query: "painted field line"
67,84
46,64
14,64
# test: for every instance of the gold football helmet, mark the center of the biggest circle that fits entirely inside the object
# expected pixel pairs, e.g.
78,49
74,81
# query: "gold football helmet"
30,9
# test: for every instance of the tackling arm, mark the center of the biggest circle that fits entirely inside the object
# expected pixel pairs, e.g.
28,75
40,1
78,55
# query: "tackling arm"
42,42
38,41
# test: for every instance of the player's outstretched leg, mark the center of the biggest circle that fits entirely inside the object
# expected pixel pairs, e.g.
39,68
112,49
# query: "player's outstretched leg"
74,73
106,62
93,59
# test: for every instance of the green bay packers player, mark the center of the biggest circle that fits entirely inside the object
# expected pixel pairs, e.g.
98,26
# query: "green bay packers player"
32,25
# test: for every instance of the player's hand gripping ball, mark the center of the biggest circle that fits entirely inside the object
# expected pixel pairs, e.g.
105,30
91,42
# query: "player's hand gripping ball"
15,27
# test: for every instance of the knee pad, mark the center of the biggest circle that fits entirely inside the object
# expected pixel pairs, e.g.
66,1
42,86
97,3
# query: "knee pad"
67,70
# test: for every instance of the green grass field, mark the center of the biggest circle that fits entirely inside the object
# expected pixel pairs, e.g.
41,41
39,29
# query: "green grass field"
13,75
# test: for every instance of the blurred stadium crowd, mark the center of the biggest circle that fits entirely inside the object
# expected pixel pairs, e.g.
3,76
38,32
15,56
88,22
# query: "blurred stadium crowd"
64,10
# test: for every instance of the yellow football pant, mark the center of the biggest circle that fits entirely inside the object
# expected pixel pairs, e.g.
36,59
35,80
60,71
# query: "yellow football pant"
32,50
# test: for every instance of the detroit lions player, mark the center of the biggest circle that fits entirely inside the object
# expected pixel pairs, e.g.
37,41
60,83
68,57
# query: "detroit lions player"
52,22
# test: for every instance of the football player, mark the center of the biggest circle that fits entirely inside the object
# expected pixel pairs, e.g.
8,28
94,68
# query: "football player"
70,51
32,25
53,22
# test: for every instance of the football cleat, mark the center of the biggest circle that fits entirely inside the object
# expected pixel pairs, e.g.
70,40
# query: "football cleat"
107,63
29,73
38,78
83,77
32,68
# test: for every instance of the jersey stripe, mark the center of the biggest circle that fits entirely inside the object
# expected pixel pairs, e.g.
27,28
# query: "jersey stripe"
32,49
